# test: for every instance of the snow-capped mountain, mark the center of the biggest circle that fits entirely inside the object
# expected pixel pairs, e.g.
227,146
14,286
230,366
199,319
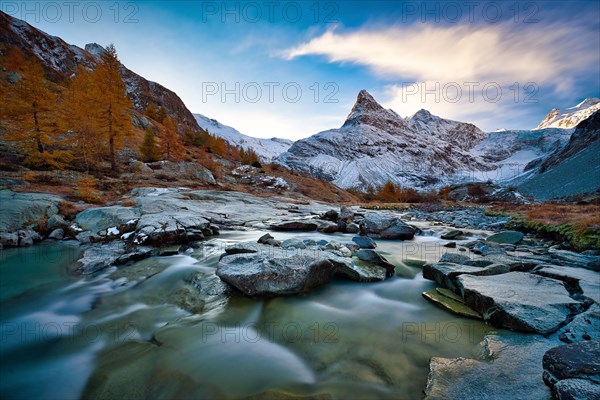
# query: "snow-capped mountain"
266,149
375,145
570,117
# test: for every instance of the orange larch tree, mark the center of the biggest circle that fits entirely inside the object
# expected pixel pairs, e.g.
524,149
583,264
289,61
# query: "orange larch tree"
171,143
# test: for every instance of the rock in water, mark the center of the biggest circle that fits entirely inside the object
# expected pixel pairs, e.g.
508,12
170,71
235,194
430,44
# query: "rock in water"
364,242
451,304
273,275
519,301
377,259
385,227
295,226
507,237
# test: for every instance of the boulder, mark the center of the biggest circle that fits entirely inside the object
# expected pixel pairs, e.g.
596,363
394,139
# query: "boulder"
57,234
451,304
9,239
328,227
352,228
358,271
56,221
18,210
242,248
446,273
293,244
364,242
298,225
260,274
99,257
572,361
103,218
585,326
331,215
373,257
506,237
265,238
451,235
455,258
450,245
385,227
346,215
519,301
576,389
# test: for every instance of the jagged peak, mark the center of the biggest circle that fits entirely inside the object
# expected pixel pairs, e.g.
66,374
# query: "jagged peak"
365,106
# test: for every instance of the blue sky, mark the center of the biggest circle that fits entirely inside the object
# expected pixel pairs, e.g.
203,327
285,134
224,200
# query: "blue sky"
293,68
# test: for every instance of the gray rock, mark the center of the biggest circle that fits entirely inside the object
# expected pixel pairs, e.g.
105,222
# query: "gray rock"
327,227
9,239
293,243
103,218
450,245
56,221
373,257
446,273
346,215
137,254
507,237
572,361
184,170
242,248
576,389
265,238
385,227
331,215
519,301
352,228
455,258
352,246
265,275
565,257
18,210
358,271
364,242
295,226
451,235
99,257
27,237
585,326
57,234
578,281
487,249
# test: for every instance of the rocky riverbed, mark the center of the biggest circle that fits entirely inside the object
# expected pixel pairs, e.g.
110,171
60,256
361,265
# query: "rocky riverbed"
205,261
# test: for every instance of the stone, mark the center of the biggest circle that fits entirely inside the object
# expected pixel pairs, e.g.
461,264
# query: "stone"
295,226
57,234
455,258
18,210
446,273
102,218
451,235
507,237
241,248
328,227
572,361
137,254
293,243
519,301
364,242
352,228
576,389
56,221
585,326
385,227
451,304
99,257
9,239
358,271
450,245
265,238
377,259
578,281
272,275
346,215
331,215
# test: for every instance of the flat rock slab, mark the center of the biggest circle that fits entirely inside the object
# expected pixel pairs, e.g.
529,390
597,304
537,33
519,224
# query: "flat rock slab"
20,209
446,273
585,326
295,226
265,275
451,304
578,280
576,389
576,360
506,237
511,368
519,301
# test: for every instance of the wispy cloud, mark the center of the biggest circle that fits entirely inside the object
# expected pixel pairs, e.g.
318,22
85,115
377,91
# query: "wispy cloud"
542,53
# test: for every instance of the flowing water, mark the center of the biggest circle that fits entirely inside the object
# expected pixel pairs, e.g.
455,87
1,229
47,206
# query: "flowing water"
120,334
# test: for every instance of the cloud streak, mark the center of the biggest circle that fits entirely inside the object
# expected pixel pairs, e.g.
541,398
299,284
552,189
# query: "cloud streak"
545,54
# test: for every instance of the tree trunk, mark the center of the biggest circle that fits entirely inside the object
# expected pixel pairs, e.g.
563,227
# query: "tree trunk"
38,133
111,140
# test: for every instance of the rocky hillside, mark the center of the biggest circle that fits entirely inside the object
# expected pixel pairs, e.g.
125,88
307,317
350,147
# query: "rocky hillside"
60,61
375,145
570,117
266,149
572,169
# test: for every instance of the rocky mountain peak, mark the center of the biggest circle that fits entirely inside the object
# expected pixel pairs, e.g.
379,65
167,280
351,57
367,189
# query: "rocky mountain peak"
94,49
570,117
367,111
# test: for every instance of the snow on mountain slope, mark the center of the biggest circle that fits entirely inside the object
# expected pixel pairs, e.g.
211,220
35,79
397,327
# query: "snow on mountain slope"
266,149
570,117
375,145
